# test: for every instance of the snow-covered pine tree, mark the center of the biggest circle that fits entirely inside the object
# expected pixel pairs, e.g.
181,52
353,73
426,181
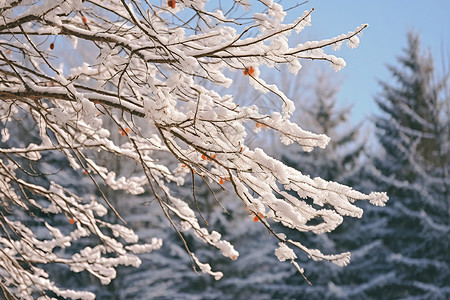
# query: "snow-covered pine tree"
145,74
414,165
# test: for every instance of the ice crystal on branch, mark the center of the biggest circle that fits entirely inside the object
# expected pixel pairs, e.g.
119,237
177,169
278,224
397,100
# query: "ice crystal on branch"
123,79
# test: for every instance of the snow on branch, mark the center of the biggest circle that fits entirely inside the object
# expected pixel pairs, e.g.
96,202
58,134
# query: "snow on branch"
127,78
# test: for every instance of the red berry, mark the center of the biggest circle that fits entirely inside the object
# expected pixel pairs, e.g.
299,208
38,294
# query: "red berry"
249,71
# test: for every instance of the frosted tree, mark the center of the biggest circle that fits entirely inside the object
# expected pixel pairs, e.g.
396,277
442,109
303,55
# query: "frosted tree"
145,75
414,168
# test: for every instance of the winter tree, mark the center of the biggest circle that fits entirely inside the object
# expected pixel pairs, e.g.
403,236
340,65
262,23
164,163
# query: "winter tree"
141,67
319,112
413,131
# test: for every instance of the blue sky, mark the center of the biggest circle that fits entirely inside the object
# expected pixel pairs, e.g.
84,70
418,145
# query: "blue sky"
382,42
384,39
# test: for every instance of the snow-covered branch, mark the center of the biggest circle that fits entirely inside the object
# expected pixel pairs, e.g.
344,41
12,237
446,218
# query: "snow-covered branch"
69,66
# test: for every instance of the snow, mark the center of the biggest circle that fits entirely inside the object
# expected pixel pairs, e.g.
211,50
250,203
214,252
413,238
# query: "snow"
284,253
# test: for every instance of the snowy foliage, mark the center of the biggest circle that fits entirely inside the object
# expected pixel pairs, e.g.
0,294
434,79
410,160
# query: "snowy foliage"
71,66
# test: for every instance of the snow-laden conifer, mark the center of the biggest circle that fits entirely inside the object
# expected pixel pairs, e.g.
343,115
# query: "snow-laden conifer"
413,166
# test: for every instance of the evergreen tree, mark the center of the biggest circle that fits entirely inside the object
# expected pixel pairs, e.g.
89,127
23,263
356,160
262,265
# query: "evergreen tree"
413,132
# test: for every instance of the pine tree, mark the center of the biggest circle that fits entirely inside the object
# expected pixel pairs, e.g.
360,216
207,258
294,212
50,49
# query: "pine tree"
413,132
